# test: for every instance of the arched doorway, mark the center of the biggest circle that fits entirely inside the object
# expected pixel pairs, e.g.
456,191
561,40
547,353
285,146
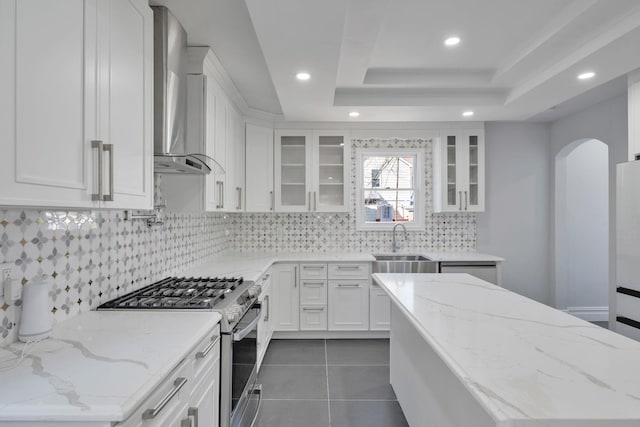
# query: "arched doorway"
582,229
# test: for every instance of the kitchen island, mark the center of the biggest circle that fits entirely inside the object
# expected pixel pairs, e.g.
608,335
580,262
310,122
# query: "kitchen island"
465,352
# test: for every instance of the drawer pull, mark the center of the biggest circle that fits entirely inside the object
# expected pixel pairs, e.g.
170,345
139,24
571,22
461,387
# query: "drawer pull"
313,267
627,291
202,354
152,413
629,322
348,285
313,284
313,308
348,267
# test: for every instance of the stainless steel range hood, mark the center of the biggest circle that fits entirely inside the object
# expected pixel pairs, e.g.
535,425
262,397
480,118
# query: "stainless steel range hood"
170,100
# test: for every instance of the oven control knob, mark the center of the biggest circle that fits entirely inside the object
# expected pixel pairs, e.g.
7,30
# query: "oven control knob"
254,291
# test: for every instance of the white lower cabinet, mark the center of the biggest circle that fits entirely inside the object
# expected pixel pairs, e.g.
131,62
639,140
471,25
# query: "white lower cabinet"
286,297
379,309
348,305
265,324
313,318
189,396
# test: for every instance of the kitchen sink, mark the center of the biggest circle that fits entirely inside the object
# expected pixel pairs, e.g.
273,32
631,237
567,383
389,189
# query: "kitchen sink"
401,258
404,264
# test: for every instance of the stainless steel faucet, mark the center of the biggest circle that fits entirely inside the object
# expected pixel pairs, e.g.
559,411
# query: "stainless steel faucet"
394,244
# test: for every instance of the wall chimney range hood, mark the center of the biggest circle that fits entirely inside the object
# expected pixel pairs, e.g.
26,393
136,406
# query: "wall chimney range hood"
170,100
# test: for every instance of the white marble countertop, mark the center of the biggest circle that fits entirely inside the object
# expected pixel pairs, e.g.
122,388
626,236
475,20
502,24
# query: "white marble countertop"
526,363
252,265
97,366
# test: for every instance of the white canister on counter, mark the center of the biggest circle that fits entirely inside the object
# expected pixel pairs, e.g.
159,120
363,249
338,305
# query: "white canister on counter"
36,320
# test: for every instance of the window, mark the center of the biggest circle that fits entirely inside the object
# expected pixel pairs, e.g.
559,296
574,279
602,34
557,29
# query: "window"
389,189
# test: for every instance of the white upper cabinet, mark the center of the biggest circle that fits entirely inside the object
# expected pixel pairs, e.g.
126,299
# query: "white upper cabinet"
311,171
91,82
459,171
259,195
127,101
214,128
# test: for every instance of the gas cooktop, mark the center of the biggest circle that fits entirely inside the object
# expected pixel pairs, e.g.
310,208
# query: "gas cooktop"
177,293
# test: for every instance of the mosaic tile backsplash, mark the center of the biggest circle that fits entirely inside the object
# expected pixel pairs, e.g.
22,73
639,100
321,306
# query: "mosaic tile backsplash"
329,232
92,257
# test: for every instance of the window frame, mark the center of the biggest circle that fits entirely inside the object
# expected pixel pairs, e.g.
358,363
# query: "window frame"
418,189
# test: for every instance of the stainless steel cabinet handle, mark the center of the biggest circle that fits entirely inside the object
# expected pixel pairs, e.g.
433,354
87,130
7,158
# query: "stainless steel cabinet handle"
222,194
239,204
109,197
313,308
220,203
313,284
152,413
267,302
313,267
186,422
272,200
315,201
309,196
295,276
466,201
460,198
348,267
100,146
348,285
193,412
202,354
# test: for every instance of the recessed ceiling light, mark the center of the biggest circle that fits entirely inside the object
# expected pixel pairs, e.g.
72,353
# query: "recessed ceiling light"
452,41
586,76
303,76
354,114
468,113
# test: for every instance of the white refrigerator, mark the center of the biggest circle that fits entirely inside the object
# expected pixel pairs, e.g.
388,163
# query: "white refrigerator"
626,304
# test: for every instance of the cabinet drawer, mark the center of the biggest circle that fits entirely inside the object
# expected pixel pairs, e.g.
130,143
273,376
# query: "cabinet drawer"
174,392
313,292
349,270
206,353
313,271
313,318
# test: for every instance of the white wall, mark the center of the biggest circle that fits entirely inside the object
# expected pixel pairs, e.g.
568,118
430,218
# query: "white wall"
516,222
582,228
607,122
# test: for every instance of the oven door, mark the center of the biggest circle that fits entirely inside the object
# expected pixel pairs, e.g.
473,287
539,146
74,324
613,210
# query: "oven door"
245,393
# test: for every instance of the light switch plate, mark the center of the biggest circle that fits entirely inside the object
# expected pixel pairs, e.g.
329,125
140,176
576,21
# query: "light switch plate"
10,289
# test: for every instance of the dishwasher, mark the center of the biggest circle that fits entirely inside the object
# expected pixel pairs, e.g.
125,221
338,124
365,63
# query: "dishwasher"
485,270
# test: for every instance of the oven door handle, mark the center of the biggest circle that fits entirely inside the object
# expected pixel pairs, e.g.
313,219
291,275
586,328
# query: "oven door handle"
238,336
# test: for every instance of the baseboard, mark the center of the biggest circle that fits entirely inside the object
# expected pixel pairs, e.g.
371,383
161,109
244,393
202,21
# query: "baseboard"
330,334
590,314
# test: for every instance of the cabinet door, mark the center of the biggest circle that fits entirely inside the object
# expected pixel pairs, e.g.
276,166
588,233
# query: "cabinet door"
380,309
286,297
451,172
211,192
313,292
293,178
259,195
474,174
238,172
348,305
127,102
331,167
203,407
220,150
48,107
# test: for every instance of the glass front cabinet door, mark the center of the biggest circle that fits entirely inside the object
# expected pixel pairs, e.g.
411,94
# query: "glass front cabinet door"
459,171
312,171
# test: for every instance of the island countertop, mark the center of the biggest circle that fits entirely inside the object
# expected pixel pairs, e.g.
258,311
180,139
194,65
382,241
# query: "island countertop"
97,366
524,362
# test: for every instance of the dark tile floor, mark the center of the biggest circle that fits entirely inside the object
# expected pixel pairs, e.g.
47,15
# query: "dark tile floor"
328,383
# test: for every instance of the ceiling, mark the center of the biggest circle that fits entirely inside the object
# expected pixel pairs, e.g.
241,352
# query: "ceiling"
518,59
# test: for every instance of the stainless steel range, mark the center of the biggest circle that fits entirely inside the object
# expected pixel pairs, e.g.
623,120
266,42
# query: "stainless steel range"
237,302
